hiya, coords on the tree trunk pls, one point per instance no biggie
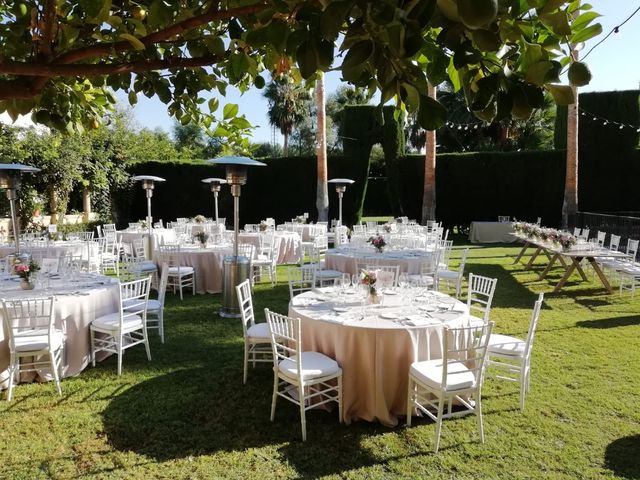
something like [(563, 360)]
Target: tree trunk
[(570, 202), (86, 204), (429, 193), (285, 147), (53, 205), (322, 191)]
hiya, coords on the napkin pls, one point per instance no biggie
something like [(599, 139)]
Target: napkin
[(418, 321), (333, 317)]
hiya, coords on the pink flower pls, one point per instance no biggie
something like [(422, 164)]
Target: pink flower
[(21, 267)]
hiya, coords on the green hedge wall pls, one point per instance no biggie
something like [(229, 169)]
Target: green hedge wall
[(484, 185), (286, 187)]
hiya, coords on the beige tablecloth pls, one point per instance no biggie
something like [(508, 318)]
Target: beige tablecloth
[(73, 313), (288, 245), (54, 249), (375, 353), (207, 263), (345, 260), (491, 232)]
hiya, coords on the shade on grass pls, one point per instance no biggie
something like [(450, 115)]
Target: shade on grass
[(186, 414)]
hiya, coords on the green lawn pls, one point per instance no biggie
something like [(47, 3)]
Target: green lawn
[(186, 414)]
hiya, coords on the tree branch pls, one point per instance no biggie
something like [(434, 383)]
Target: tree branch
[(103, 50), (55, 70), (48, 30)]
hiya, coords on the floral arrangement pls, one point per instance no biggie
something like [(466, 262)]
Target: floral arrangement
[(378, 242), (263, 226), (300, 219), (25, 270), (143, 225), (201, 237), (566, 240), (387, 227), (369, 279), (199, 219)]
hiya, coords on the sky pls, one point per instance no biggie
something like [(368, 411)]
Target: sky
[(615, 65)]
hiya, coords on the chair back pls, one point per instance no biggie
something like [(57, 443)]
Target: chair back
[(138, 248), (246, 250), (585, 234), (134, 296), (469, 346), (576, 231), (445, 247), (614, 242), (480, 295), (245, 302), (50, 265), (301, 279), (632, 249), (463, 261), (28, 317), (386, 275), (164, 280), (533, 324), (285, 339), (601, 238)]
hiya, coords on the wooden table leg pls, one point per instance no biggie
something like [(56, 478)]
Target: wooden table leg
[(533, 257), (551, 263), (524, 249), (600, 273), (579, 269), (564, 264), (566, 275)]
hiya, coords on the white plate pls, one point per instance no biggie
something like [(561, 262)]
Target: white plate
[(389, 316), (340, 309), (428, 308), (389, 292)]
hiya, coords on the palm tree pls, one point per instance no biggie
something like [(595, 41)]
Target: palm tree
[(322, 192), (286, 106), (429, 193)]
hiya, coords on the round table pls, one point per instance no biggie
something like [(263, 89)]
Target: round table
[(287, 244), (344, 259), (77, 304), (375, 352), (206, 262), (54, 249)]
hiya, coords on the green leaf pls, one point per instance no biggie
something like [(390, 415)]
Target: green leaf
[(213, 104), (133, 98), (307, 59), (230, 110), (486, 41), (558, 22), (562, 94), (431, 114), (454, 76), (159, 14), (358, 54), (552, 5), (579, 74), (537, 72), (587, 33), (333, 18), (135, 42), (583, 20), (410, 97)]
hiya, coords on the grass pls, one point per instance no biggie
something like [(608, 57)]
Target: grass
[(186, 414)]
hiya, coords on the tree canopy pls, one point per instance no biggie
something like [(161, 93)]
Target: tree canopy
[(62, 60)]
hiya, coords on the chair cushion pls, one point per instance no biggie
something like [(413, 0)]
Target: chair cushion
[(314, 365), (147, 265), (259, 330), (506, 345), (112, 322), (183, 270), (152, 304), (429, 373), (448, 274), (328, 274), (32, 343), (475, 321)]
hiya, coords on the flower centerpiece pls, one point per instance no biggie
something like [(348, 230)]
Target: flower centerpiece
[(301, 219), (199, 219), (369, 279), (24, 271), (566, 241), (263, 226), (143, 225), (202, 237), (387, 227), (378, 242)]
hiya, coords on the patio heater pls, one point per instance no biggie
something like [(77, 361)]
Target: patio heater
[(215, 184), (10, 180), (341, 187), (236, 268), (148, 185)]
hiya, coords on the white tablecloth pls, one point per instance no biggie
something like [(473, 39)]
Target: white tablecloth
[(288, 245), (77, 304), (375, 353), (344, 259), (54, 249), (207, 263), (491, 232)]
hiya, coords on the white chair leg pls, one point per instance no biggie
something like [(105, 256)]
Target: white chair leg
[(12, 375), (478, 409), (93, 348), (274, 397), (246, 364), (340, 400), (120, 353), (439, 423), (303, 418), (146, 343), (161, 324), (410, 393), (54, 371)]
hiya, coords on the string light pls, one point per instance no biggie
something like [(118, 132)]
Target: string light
[(614, 30), (606, 121)]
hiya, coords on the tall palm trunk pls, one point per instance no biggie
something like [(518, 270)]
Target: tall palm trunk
[(570, 202), (429, 192), (285, 147), (322, 192)]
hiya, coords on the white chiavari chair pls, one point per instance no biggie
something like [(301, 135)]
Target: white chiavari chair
[(454, 277), (480, 297), (301, 279), (179, 276)]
